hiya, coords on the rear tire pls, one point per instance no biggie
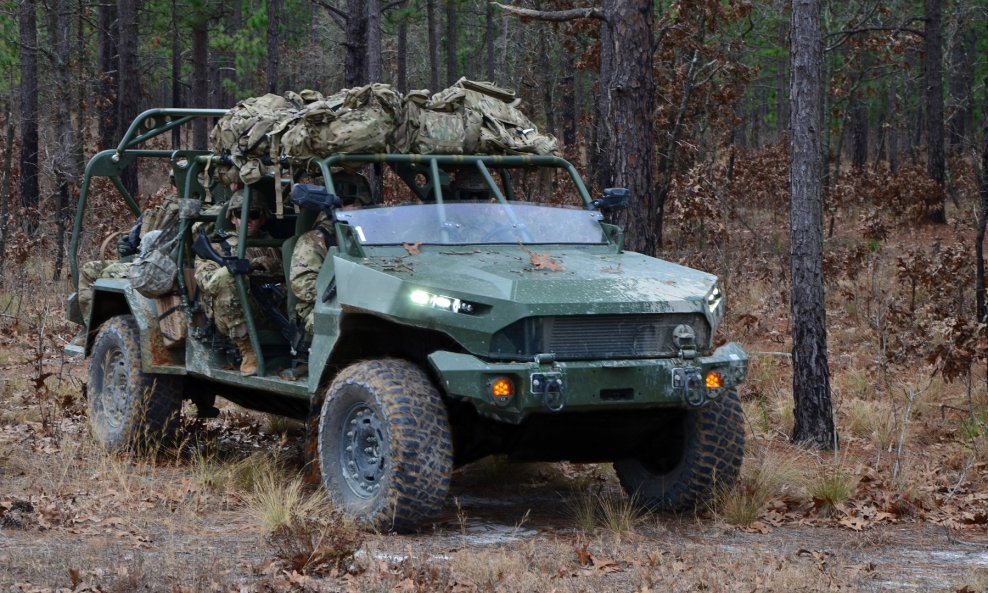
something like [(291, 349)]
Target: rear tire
[(706, 461), (385, 449), (128, 408)]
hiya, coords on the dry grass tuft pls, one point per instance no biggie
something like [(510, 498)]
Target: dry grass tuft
[(249, 473), (304, 530), (762, 479), (830, 488), (873, 420), (616, 513), (277, 502), (321, 544)]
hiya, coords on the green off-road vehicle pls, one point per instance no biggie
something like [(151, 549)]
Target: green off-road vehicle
[(451, 323)]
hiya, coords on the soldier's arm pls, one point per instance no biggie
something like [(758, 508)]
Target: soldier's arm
[(306, 261)]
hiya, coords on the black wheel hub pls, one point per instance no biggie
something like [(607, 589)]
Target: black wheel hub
[(361, 450)]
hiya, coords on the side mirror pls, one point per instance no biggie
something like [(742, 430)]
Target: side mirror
[(314, 197), (614, 199)]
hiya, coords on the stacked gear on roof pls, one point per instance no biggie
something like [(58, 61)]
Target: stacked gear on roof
[(469, 117)]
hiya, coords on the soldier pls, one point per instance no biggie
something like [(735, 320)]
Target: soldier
[(312, 247), (219, 290), (127, 246)]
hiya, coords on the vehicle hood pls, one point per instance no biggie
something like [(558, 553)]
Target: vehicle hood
[(543, 280)]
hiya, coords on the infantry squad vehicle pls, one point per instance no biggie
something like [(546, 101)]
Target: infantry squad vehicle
[(450, 324)]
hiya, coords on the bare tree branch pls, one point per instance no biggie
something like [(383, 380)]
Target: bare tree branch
[(556, 16), (844, 35), (392, 4), (339, 17)]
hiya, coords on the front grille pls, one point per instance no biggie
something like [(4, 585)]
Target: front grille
[(587, 337)]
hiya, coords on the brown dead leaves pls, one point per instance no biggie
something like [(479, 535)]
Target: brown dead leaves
[(544, 261), (589, 565)]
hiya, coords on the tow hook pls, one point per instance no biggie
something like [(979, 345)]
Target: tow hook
[(691, 387), (549, 386)]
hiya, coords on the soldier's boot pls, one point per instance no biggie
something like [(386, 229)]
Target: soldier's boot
[(248, 362)]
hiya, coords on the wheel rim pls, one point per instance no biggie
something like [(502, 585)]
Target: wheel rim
[(361, 450), (113, 394)]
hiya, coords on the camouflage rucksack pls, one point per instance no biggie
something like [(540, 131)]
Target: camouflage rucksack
[(244, 129), (160, 217), (439, 126), (502, 127), (359, 120), (153, 272)]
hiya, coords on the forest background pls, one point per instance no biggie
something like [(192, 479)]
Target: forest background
[(686, 103)]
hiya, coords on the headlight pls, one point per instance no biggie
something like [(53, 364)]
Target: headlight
[(715, 298), (438, 301)]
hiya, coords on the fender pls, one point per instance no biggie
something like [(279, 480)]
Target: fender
[(112, 297)]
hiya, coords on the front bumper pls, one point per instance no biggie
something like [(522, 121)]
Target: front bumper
[(541, 386)]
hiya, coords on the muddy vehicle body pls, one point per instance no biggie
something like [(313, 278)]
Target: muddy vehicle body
[(446, 329)]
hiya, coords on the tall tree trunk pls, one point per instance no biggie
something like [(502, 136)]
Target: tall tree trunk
[(355, 61), (452, 31), (109, 75), (814, 423), (29, 113), (859, 132), (781, 98), (569, 98), (627, 95), (403, 55), (893, 128), (373, 41), (546, 82), (490, 37), (130, 80), (961, 84), (64, 161), (933, 85), (979, 244), (8, 158), (200, 78), (176, 73), (274, 43), (433, 24)]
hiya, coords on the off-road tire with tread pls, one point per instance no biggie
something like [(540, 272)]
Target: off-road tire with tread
[(128, 408), (711, 453), (385, 447)]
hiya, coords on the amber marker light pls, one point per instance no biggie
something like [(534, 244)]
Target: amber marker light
[(714, 380), (502, 390)]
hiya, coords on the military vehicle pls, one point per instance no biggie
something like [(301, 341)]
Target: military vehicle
[(451, 324)]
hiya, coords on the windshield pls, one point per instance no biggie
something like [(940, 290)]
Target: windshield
[(462, 223)]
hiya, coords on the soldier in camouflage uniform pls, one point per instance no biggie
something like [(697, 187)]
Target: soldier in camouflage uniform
[(307, 258), (219, 290), (310, 252), (127, 246)]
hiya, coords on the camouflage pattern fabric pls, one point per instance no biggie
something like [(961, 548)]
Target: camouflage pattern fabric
[(307, 259), (467, 117), (156, 219), (243, 130), (359, 120), (220, 297), (91, 272)]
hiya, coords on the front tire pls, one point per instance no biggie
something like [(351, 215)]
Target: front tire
[(705, 459), (385, 449), (128, 408)]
